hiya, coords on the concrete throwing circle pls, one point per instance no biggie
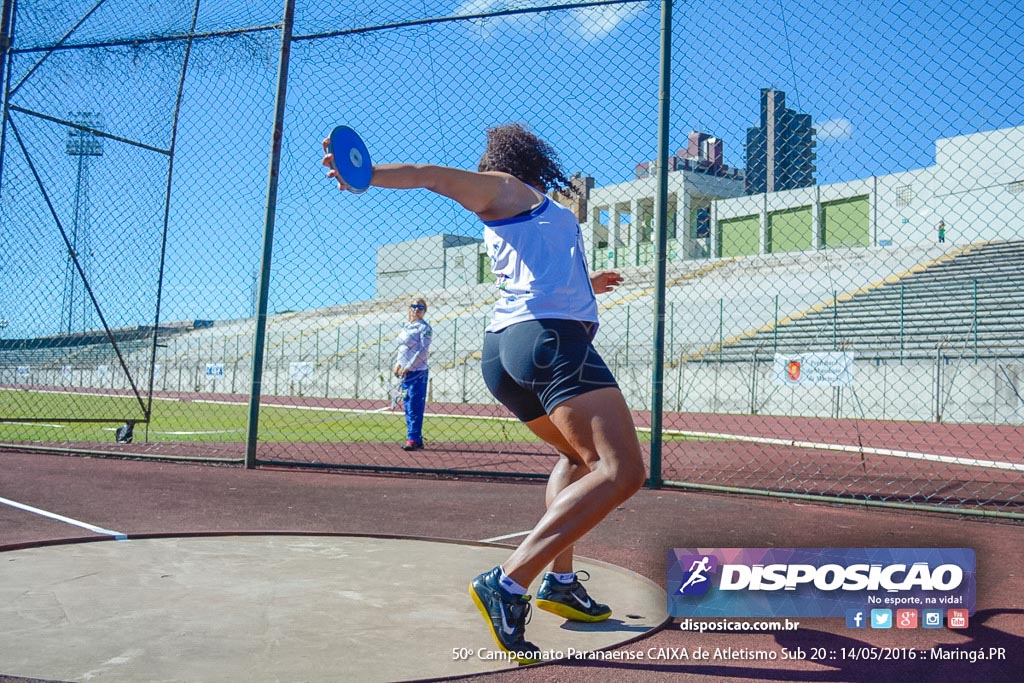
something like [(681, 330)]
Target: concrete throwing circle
[(278, 607)]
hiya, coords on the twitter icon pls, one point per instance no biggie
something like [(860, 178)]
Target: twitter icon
[(881, 618)]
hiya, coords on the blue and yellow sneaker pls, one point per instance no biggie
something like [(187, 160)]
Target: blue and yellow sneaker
[(570, 600), (506, 615)]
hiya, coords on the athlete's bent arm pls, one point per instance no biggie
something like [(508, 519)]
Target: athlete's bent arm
[(605, 281)]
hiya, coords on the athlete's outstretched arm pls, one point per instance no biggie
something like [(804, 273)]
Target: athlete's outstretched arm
[(490, 195)]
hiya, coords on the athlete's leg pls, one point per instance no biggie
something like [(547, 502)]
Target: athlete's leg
[(599, 428), (504, 609), (569, 468), (568, 599)]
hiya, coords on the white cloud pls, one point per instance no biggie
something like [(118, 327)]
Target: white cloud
[(586, 23), (594, 23), (478, 7), (485, 29), (834, 130)]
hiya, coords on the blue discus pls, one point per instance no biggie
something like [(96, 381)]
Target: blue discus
[(351, 158)]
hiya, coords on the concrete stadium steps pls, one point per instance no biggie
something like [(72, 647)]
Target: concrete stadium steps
[(104, 353), (741, 295), (751, 304), (705, 299), (51, 355), (973, 302), (34, 357), (335, 335)]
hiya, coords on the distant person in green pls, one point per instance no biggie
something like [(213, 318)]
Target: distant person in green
[(942, 232)]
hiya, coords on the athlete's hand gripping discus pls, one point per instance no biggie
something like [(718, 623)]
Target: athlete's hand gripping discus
[(351, 159)]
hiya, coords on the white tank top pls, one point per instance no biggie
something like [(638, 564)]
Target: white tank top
[(541, 266)]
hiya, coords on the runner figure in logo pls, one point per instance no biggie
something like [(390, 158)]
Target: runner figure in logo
[(696, 577)]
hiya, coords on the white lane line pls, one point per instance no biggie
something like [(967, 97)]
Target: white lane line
[(503, 538), (363, 411), (31, 424), (60, 518), (219, 431), (61, 391), (948, 459)]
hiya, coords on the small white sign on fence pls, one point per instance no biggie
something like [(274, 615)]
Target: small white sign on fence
[(814, 369), (24, 371), (300, 372), (214, 371)]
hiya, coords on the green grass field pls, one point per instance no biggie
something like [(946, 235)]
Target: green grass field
[(219, 422), (209, 422)]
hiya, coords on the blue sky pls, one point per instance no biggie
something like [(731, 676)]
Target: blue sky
[(881, 80)]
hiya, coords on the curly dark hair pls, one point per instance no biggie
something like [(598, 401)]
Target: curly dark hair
[(514, 150)]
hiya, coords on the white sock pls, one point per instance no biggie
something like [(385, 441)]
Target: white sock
[(564, 578), (510, 585)]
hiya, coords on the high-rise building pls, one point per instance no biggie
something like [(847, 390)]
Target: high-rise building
[(703, 150), (703, 154), (780, 152)]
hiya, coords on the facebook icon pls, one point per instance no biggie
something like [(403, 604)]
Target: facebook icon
[(855, 618)]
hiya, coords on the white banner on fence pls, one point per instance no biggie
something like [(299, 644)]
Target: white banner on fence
[(214, 371), (24, 371), (814, 369), (299, 372)]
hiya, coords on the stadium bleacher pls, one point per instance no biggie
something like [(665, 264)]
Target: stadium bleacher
[(971, 303), (890, 302)]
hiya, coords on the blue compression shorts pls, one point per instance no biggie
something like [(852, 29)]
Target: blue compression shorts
[(533, 366)]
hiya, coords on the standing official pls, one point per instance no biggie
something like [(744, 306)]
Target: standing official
[(411, 368)]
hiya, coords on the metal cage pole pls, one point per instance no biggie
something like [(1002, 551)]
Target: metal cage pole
[(252, 432), (661, 229), (7, 11), (167, 216)]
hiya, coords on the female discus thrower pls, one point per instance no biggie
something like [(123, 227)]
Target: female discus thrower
[(538, 361)]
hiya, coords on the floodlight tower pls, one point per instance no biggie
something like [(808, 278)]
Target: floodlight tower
[(82, 144)]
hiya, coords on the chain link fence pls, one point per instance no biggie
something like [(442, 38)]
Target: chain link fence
[(842, 274)]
